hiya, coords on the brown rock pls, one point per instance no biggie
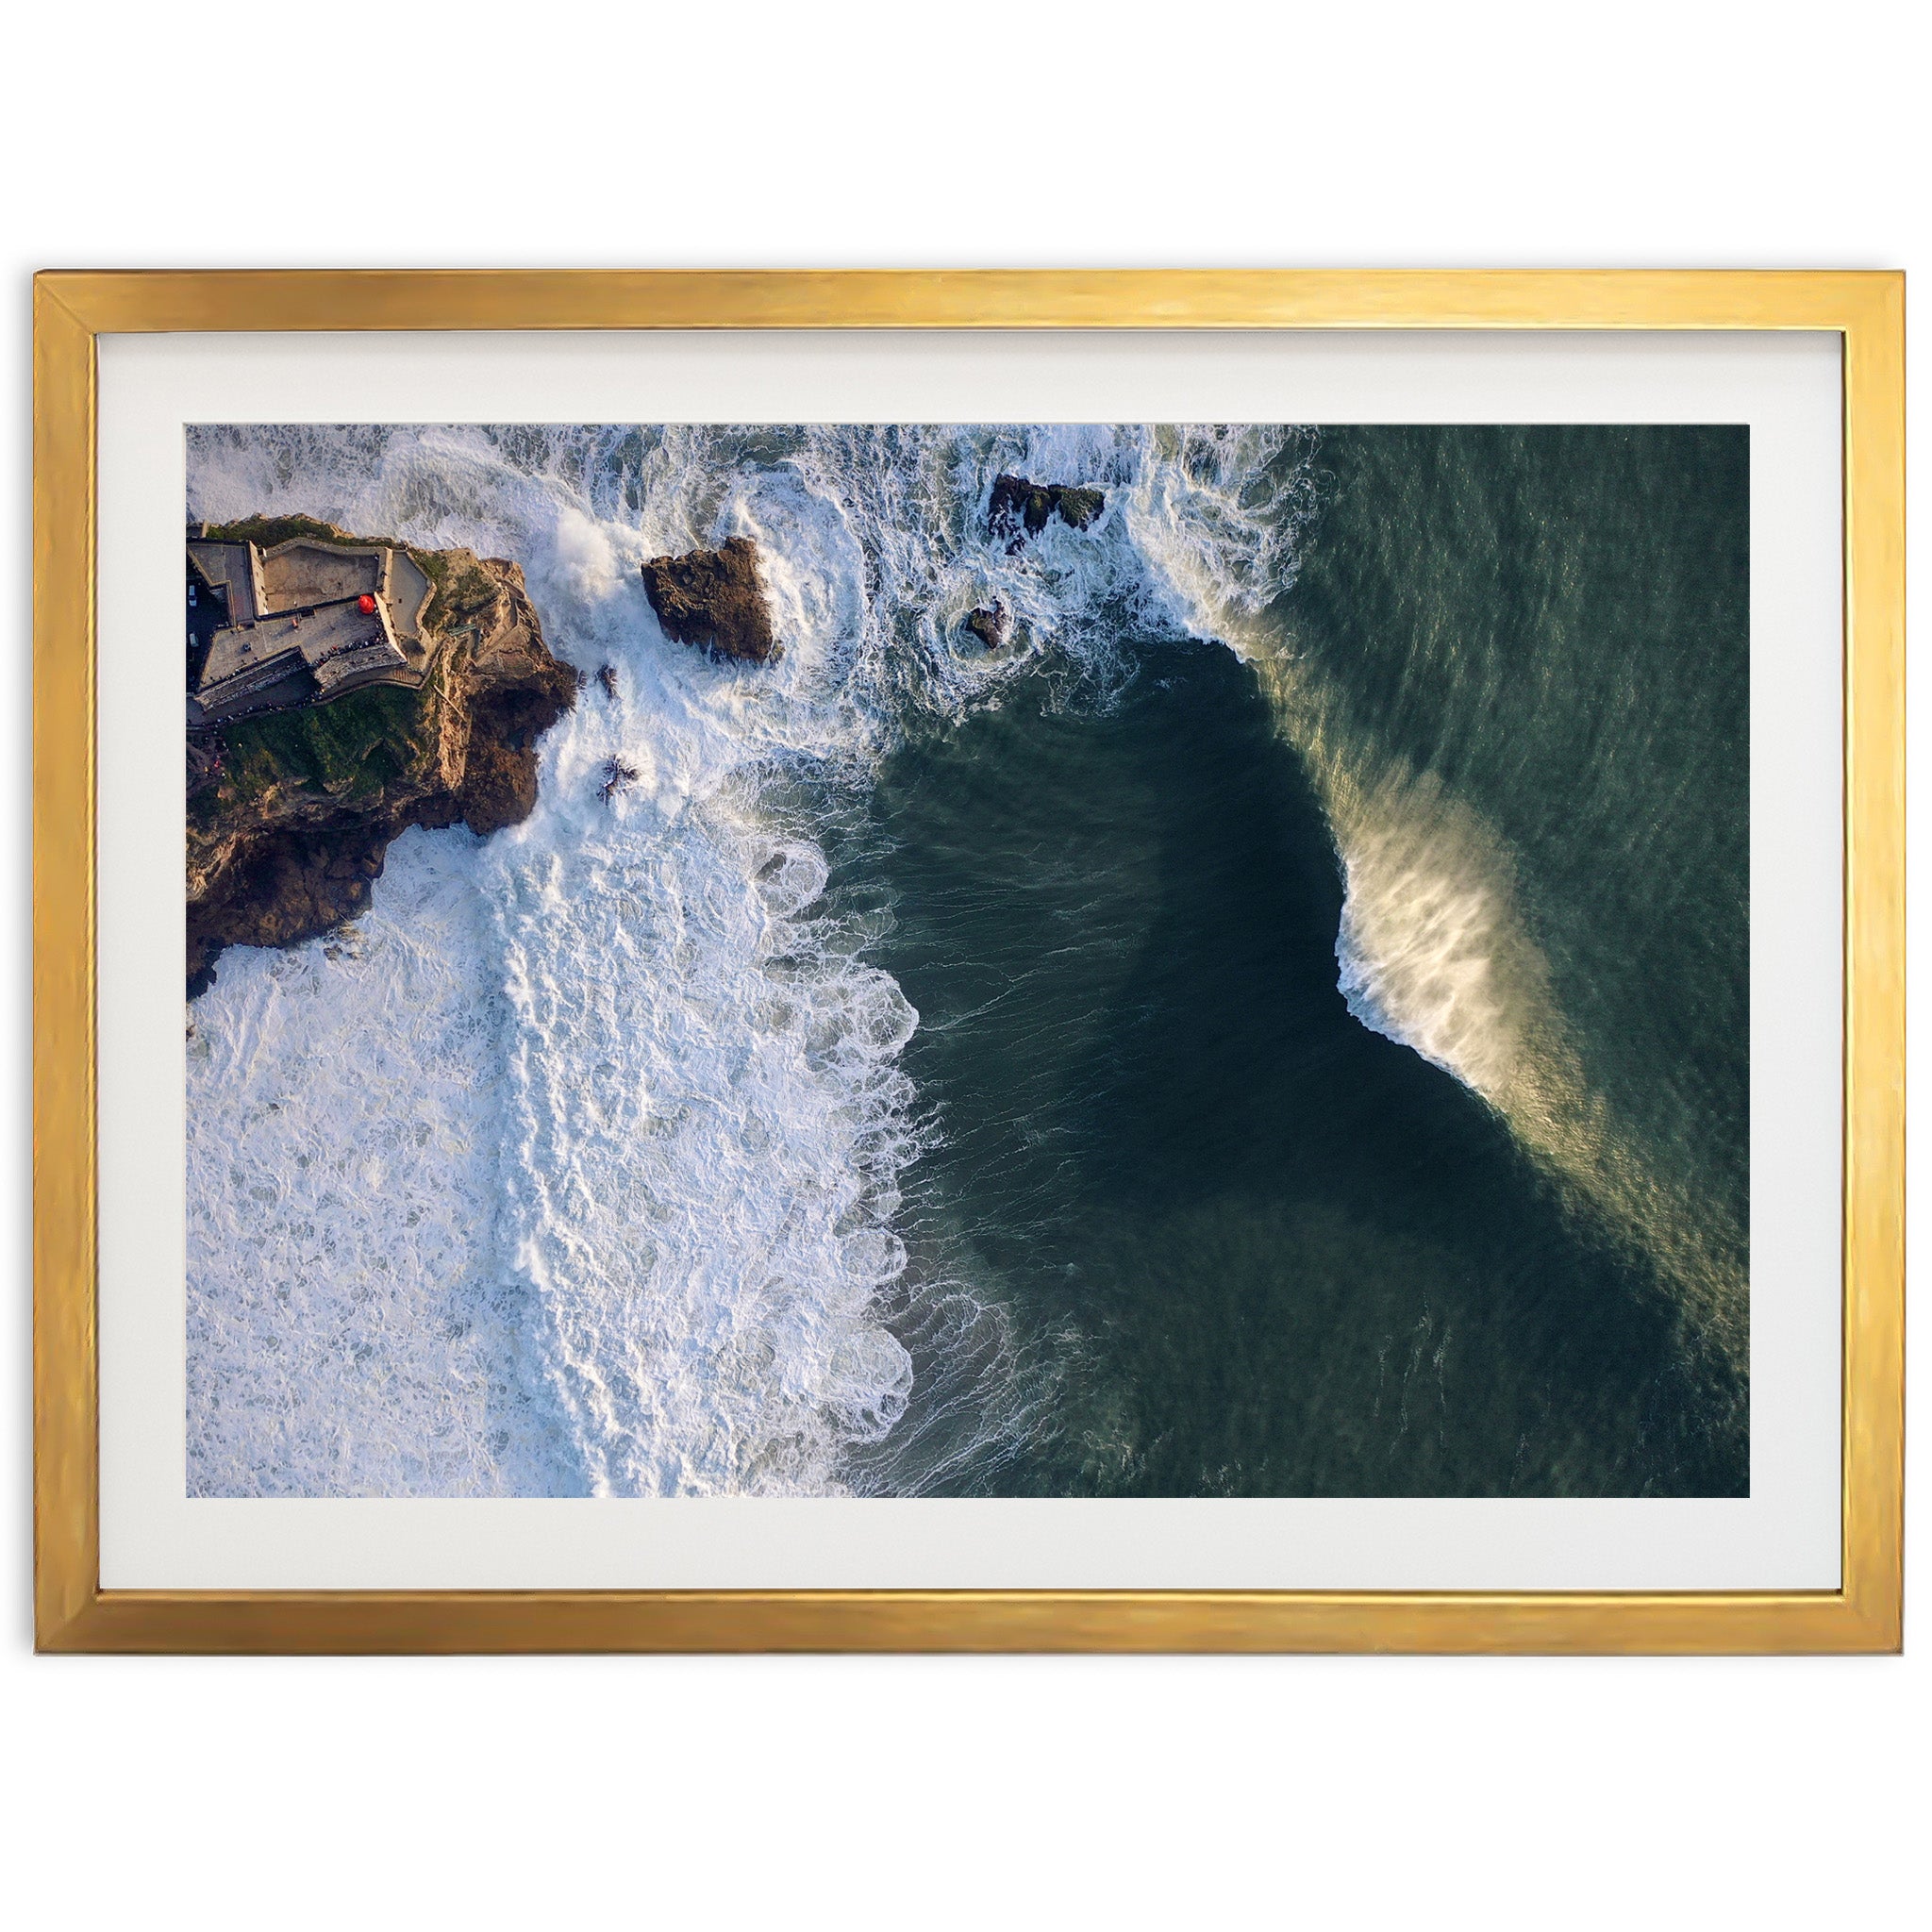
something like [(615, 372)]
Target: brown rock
[(283, 843), (991, 624), (714, 599), (282, 887)]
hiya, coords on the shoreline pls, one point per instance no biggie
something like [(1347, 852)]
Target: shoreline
[(290, 812)]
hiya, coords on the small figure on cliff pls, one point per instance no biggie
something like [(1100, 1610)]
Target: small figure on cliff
[(206, 760)]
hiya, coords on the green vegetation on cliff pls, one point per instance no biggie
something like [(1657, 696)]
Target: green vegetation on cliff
[(289, 821), (361, 749), (354, 749), (266, 532)]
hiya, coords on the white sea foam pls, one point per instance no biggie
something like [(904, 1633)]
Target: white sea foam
[(348, 1328), (574, 1167), (1431, 951)]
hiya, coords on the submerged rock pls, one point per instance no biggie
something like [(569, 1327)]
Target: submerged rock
[(1020, 508), (991, 624), (290, 815), (607, 676), (618, 776), (714, 599)]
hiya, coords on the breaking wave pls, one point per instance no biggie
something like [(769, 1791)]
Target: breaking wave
[(574, 1167), (1434, 950)]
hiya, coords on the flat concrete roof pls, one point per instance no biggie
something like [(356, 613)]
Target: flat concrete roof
[(296, 631), (310, 638), (233, 569), (409, 591)]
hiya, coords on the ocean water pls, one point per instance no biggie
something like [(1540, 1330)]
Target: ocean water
[(1277, 1027)]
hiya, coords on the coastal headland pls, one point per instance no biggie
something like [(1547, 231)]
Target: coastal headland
[(289, 813)]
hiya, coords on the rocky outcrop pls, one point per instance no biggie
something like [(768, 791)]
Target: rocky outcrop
[(286, 839), (714, 599), (991, 624), (1018, 507), (205, 759), (618, 776)]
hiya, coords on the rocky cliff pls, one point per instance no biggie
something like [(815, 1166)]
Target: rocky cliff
[(714, 599), (288, 816)]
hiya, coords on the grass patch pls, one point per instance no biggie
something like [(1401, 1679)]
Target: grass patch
[(266, 532), (353, 748), (461, 591)]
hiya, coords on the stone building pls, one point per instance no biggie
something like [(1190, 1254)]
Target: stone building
[(299, 623)]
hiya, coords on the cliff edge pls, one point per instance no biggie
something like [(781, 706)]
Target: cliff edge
[(290, 815)]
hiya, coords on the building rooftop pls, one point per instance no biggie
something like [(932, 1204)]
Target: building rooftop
[(299, 623)]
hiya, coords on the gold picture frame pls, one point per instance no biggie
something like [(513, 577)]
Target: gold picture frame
[(74, 1613)]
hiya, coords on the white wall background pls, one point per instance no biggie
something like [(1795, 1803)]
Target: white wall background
[(1357, 1792)]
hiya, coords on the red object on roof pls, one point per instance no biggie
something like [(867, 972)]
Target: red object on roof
[(366, 605)]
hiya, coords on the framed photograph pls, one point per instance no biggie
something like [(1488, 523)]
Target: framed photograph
[(969, 961)]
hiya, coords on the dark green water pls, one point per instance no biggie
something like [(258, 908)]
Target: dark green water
[(1556, 622), (1241, 1243)]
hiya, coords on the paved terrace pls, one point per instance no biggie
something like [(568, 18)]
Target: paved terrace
[(232, 569), (305, 572), (283, 658), (297, 633)]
